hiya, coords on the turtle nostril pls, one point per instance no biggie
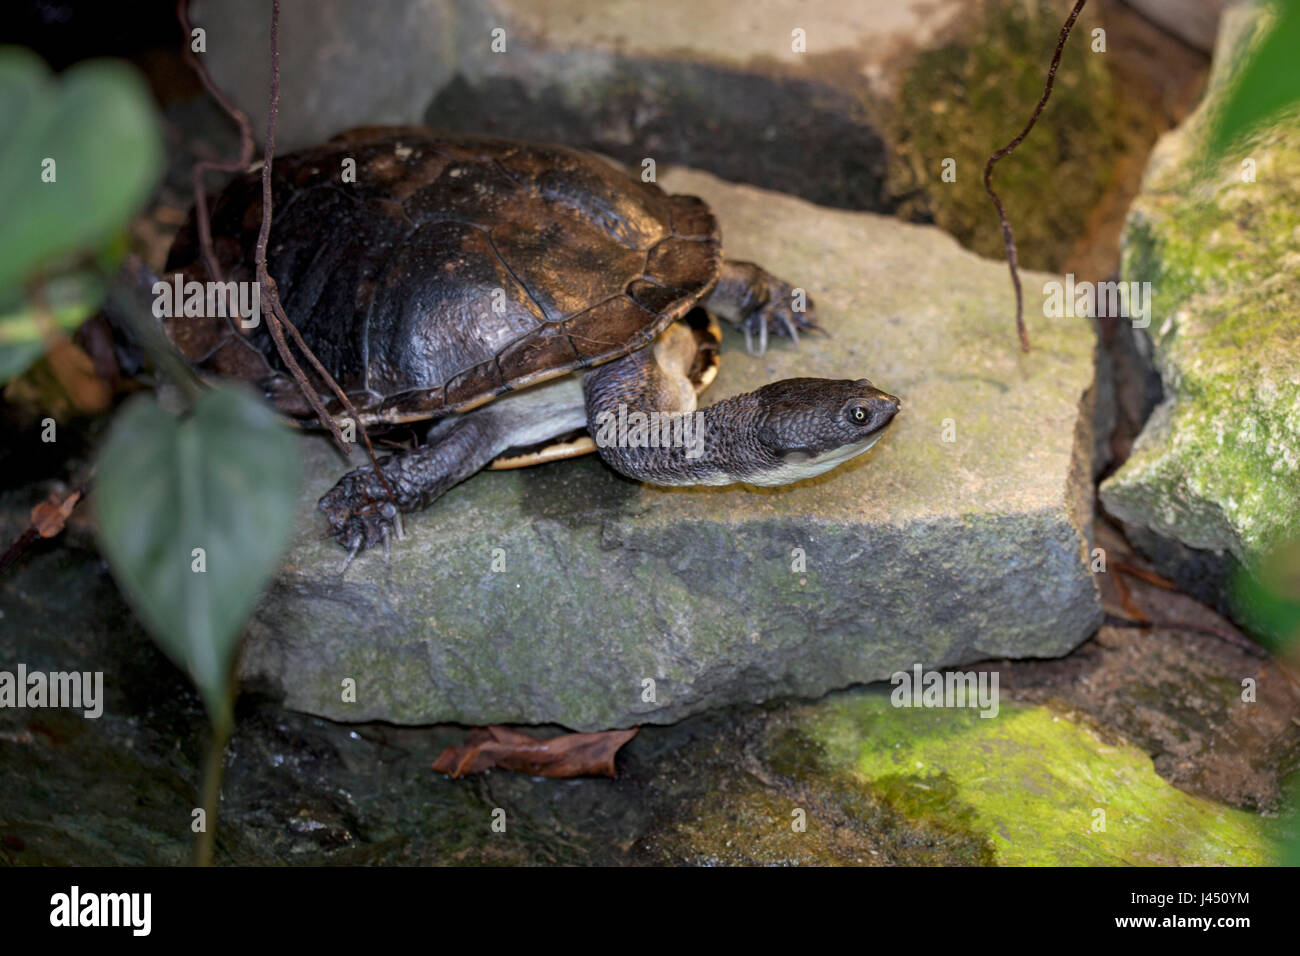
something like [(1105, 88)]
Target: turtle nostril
[(885, 408)]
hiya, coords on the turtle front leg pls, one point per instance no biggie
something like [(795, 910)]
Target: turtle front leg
[(360, 511), (759, 303)]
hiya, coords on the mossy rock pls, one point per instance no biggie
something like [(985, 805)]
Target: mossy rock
[(1218, 465), (968, 97), (1029, 785)]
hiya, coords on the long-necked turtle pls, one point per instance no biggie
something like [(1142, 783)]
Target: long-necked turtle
[(454, 271)]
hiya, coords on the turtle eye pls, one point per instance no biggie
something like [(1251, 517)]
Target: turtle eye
[(858, 415)]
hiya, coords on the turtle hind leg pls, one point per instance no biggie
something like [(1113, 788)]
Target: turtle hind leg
[(360, 511), (760, 304)]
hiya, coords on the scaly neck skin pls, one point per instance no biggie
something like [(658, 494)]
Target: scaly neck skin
[(719, 447), (716, 446), (784, 432)]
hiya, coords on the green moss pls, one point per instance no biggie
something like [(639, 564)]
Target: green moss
[(882, 785), (1030, 783), (747, 820), (969, 97)]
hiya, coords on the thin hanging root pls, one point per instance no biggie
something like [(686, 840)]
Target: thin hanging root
[(204, 165), (1013, 261), (277, 319), (278, 309), (271, 292)]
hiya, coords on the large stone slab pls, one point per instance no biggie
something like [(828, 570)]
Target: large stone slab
[(1217, 467), (922, 550)]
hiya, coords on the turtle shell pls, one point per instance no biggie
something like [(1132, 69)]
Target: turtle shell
[(453, 269)]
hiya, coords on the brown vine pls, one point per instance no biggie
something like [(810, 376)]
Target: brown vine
[(1013, 259), (277, 319)]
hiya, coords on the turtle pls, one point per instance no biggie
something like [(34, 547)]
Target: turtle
[(531, 302)]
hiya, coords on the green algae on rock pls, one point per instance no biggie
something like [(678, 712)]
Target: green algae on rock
[(1218, 465), (1040, 788)]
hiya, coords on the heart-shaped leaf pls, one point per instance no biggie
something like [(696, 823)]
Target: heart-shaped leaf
[(78, 158), (193, 517)]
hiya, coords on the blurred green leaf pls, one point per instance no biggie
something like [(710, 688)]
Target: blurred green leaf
[(1291, 847), (71, 299), (1267, 83), (1267, 598), (97, 123), (224, 480)]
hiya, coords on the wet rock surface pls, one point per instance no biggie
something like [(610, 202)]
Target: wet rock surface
[(962, 535), (719, 788)]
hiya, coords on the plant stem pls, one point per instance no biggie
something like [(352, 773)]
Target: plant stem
[(213, 770), (124, 304)]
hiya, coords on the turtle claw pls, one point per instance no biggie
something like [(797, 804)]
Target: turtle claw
[(778, 316), (360, 514), (749, 334), (352, 553)]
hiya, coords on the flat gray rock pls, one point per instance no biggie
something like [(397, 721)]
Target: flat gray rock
[(621, 604), (785, 96), (410, 49)]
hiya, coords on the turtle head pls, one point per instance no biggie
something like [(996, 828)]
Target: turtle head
[(806, 426)]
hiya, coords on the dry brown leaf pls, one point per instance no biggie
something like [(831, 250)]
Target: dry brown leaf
[(1135, 613), (49, 517), (75, 371), (570, 755)]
